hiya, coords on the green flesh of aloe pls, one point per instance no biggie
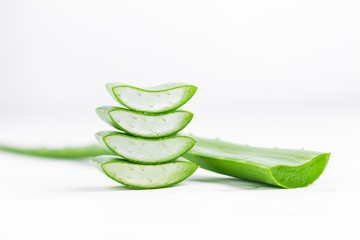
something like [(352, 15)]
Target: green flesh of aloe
[(148, 125), (157, 99), (144, 176), (148, 143), (145, 150), (280, 167)]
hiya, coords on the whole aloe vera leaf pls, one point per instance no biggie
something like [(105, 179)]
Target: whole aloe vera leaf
[(145, 150), (144, 176), (148, 125), (157, 99), (280, 167), (65, 153)]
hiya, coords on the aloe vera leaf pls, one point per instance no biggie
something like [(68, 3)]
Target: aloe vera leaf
[(157, 99), (289, 168), (144, 176), (145, 150), (280, 167), (65, 153), (148, 125)]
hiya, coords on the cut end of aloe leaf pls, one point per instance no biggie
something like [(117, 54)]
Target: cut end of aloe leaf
[(145, 176), (145, 151), (149, 125), (155, 99), (300, 176)]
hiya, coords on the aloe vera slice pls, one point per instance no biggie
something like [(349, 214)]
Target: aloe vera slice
[(145, 150), (149, 125), (280, 167), (161, 98), (144, 176)]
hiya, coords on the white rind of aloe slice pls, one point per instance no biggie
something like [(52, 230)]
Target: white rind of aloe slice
[(144, 176), (145, 150), (148, 125), (161, 98)]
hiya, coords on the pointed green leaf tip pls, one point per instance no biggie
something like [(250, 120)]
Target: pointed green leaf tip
[(280, 167), (157, 99), (62, 153), (140, 176)]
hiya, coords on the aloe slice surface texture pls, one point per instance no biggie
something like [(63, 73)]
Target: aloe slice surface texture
[(145, 150), (156, 99), (144, 176), (280, 167), (148, 125)]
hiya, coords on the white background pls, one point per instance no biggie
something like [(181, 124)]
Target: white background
[(270, 73)]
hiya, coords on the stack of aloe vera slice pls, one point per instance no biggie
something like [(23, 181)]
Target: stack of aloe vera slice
[(148, 147)]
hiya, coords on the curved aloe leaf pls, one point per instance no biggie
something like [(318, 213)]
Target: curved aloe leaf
[(144, 176), (149, 125), (145, 151), (162, 98), (280, 167)]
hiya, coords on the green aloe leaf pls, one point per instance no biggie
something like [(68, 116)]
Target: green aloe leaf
[(161, 98), (145, 150), (149, 125), (144, 176), (280, 167)]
